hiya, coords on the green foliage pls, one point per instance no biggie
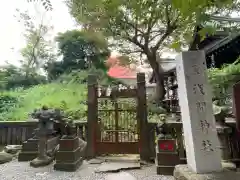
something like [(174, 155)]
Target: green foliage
[(136, 27), (67, 97), (68, 92), (200, 7), (149, 25), (7, 102), (222, 80), (12, 77), (79, 52)]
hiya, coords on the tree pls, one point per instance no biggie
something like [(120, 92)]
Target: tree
[(12, 76), (146, 27), (37, 50), (79, 52), (202, 6)]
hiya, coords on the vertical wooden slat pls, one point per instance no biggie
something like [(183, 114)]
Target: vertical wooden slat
[(14, 136), (4, 136), (24, 131), (1, 135), (80, 131), (9, 135), (116, 121), (236, 103), (15, 132), (19, 132)]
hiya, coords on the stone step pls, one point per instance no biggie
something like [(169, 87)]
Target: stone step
[(120, 158)]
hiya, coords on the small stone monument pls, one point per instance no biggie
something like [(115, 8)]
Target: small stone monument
[(71, 151), (45, 129), (195, 99)]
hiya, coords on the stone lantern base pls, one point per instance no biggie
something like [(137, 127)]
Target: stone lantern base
[(182, 172), (70, 154), (30, 148), (39, 162)]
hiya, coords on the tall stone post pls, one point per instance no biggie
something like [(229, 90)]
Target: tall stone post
[(144, 128), (92, 116), (195, 99)]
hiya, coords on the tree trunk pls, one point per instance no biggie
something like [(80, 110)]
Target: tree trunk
[(160, 89), (158, 74)]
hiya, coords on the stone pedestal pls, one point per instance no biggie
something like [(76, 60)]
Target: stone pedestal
[(166, 159), (70, 154), (30, 148), (182, 172)]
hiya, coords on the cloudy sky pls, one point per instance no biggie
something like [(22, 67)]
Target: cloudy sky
[(11, 38)]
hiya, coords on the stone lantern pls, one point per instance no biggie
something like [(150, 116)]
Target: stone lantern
[(45, 129)]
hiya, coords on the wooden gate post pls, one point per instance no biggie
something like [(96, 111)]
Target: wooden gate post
[(236, 103), (144, 144), (92, 116)]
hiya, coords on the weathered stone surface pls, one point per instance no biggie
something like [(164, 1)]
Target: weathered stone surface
[(39, 162), (117, 166), (27, 155), (12, 149), (131, 158), (83, 145), (96, 161), (70, 154), (5, 157), (70, 166), (30, 148), (30, 145), (120, 176), (68, 144), (182, 172), (229, 166), (199, 127)]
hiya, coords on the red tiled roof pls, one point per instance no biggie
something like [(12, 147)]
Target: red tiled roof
[(119, 71)]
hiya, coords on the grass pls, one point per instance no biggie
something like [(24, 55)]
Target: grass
[(68, 97)]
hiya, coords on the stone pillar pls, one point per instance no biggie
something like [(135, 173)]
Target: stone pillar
[(144, 127), (195, 99), (42, 151), (92, 116)]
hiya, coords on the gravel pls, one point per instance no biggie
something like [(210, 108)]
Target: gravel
[(15, 170)]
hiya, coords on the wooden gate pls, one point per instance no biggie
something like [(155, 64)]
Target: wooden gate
[(117, 130), (117, 121)]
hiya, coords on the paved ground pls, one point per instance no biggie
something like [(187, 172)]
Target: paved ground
[(21, 170)]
